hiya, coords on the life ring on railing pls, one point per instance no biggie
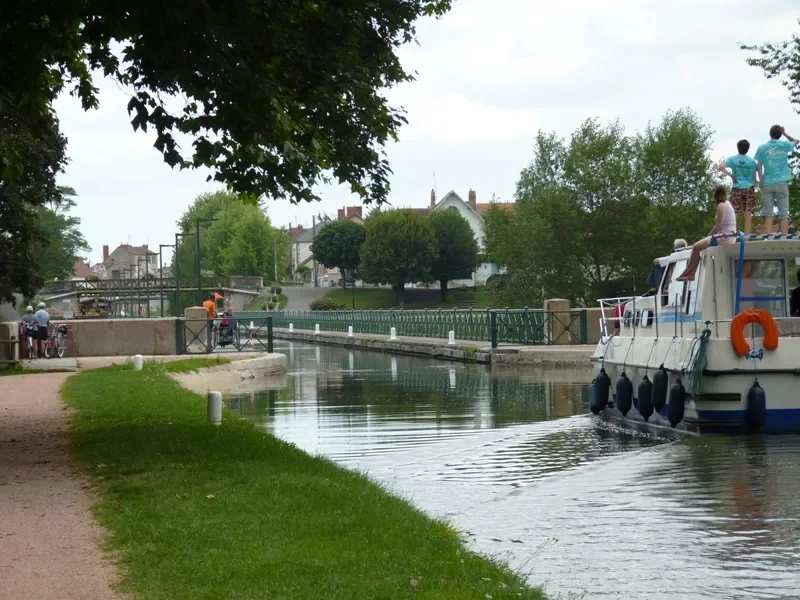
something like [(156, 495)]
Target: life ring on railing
[(763, 318)]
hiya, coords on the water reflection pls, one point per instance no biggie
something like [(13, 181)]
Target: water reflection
[(576, 503)]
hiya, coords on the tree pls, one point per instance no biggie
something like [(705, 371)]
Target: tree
[(338, 245), (274, 94), (458, 250), (31, 154), (400, 247), (781, 59), (61, 242), (593, 212), (239, 241)]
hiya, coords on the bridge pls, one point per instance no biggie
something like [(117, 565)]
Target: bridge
[(145, 287)]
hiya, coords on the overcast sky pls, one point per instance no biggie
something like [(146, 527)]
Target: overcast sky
[(489, 75)]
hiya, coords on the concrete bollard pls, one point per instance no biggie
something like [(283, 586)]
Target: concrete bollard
[(291, 326), (214, 408), (138, 362), (393, 334), (252, 326), (451, 338), (349, 331), (316, 329)]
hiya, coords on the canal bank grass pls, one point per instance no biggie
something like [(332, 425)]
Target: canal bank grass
[(206, 512)]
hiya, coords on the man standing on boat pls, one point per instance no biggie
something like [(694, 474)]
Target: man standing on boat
[(774, 175), (742, 171)]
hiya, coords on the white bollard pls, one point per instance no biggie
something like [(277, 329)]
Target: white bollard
[(451, 339), (349, 331), (291, 326), (214, 408), (316, 329), (393, 334), (138, 362), (252, 326)]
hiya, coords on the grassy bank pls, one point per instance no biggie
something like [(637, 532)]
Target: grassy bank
[(198, 511), (260, 302)]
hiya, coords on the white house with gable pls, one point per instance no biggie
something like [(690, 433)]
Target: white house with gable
[(473, 212)]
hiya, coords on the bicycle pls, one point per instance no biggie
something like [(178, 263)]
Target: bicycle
[(30, 336), (56, 342)]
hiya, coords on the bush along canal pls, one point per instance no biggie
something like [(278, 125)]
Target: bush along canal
[(202, 511)]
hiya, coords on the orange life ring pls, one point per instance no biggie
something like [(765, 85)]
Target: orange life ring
[(763, 318)]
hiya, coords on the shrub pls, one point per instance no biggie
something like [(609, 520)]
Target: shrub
[(326, 304), (278, 290), (272, 291), (270, 306)]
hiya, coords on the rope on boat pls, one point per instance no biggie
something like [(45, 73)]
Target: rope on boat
[(699, 361)]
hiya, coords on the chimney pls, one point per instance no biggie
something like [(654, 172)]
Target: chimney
[(473, 200), (433, 198), (145, 248), (105, 253)]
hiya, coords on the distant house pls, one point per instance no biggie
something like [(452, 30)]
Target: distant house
[(81, 270), (301, 255), (474, 213), (350, 213), (129, 261)]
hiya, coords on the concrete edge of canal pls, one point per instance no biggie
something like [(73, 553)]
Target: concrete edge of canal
[(474, 352), (228, 377)]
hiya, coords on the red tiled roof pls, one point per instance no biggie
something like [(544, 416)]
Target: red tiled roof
[(81, 269), (482, 207), (349, 211)]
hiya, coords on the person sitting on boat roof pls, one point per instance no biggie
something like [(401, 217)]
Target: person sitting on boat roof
[(724, 227), (659, 264), (742, 171)]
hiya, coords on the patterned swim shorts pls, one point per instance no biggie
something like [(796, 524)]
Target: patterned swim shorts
[(743, 201)]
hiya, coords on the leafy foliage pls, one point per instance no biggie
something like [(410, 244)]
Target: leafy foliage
[(325, 304), (458, 250), (273, 94), (32, 152), (338, 245), (592, 212), (400, 247), (240, 241), (61, 242), (781, 59)]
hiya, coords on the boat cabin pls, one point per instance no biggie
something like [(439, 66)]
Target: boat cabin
[(755, 271)]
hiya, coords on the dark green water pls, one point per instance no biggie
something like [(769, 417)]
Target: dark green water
[(584, 507)]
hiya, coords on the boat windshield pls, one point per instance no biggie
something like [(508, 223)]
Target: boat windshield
[(764, 285)]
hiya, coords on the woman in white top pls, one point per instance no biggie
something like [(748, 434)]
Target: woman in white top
[(725, 223)]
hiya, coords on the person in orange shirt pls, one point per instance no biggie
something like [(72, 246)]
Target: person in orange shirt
[(211, 306)]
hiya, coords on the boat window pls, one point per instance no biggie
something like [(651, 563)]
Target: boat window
[(647, 318), (794, 286), (676, 288), (665, 284), (690, 303), (763, 285)]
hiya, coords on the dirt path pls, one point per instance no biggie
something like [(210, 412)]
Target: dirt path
[(49, 540)]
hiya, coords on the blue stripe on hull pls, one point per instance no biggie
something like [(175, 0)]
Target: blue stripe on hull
[(783, 420)]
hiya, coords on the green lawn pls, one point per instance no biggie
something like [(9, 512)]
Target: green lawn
[(369, 298), (260, 303), (207, 512)]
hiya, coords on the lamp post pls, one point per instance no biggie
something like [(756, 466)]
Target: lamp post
[(122, 296), (178, 270), (161, 273), (197, 240), (139, 260)]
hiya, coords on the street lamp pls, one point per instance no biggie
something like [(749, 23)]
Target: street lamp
[(161, 273), (178, 270), (197, 240)]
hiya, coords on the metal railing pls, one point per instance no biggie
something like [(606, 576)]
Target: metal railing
[(208, 335), (509, 326)]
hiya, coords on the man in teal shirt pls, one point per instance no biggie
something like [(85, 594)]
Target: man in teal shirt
[(774, 174), (742, 171)]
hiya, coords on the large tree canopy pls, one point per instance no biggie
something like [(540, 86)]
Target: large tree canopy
[(338, 245), (240, 241), (592, 212), (400, 248), (61, 242), (458, 250), (273, 94), (780, 59)]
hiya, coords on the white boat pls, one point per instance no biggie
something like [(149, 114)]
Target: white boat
[(680, 338)]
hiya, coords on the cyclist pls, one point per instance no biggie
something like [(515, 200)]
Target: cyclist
[(30, 325), (43, 319)]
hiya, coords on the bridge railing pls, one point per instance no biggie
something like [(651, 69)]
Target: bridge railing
[(507, 326)]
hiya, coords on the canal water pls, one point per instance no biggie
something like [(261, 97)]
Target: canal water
[(581, 506)]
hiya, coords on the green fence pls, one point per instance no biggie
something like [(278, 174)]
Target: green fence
[(519, 327)]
